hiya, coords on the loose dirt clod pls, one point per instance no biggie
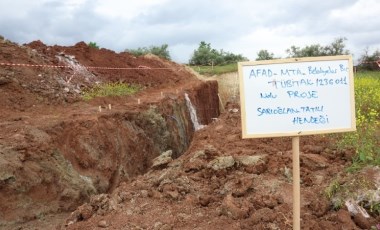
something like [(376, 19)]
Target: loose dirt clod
[(103, 224)]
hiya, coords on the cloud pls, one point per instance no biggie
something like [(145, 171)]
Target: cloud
[(359, 20), (62, 22), (243, 27), (363, 15), (125, 10)]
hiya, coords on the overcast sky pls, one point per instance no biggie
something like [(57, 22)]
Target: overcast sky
[(238, 26)]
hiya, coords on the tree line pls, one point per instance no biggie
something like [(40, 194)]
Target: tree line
[(337, 47), (367, 61), (205, 55)]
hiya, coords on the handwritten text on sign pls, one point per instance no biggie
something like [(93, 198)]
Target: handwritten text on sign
[(297, 97)]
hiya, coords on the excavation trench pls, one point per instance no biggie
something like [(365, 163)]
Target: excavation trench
[(62, 165)]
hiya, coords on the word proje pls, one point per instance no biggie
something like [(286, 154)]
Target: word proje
[(302, 94)]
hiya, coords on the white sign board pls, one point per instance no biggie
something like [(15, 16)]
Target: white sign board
[(292, 97)]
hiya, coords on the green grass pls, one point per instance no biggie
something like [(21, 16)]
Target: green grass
[(366, 140), (110, 89), (215, 70)]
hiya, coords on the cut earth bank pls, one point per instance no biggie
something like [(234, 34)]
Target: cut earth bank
[(57, 150), (220, 182)]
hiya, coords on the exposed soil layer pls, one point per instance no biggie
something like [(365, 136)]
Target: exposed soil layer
[(57, 150), (66, 165)]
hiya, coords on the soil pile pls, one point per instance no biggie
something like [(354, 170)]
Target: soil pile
[(225, 182), (24, 86)]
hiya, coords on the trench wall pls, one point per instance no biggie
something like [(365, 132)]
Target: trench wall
[(58, 168)]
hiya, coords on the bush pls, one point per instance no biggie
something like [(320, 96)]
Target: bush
[(160, 51), (93, 45)]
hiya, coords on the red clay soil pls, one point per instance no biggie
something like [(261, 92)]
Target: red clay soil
[(225, 182), (26, 87), (44, 123), (221, 182)]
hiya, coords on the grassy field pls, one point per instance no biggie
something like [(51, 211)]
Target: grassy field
[(228, 84), (215, 70)]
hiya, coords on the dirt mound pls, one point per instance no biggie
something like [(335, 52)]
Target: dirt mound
[(56, 75), (157, 71)]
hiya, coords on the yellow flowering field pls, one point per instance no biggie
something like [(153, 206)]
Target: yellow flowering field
[(366, 140)]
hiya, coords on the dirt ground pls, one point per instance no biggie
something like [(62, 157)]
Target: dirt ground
[(220, 181)]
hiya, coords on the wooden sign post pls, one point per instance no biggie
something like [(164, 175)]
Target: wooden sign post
[(296, 183), (295, 97)]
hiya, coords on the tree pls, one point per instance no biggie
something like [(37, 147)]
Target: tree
[(161, 51), (294, 51), (337, 47), (232, 58), (308, 51), (369, 61), (205, 55), (264, 55)]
